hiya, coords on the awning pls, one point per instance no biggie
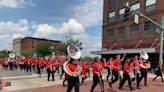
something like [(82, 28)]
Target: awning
[(127, 51)]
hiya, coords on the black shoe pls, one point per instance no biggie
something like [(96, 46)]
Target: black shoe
[(131, 89), (138, 88), (120, 88), (63, 84), (110, 85), (91, 91)]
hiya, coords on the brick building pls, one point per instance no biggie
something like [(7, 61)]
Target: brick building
[(120, 35), (29, 43)]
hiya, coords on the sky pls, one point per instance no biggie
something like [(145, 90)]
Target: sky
[(52, 19)]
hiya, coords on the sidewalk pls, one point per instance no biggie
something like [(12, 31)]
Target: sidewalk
[(56, 86), (35, 82)]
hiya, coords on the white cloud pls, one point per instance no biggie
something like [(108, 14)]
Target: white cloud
[(6, 41), (88, 13), (10, 27), (89, 43), (70, 27), (15, 3), (10, 30)]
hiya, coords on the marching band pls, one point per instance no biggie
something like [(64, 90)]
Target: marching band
[(128, 69)]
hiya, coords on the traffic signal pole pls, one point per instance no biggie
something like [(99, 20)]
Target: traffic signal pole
[(158, 25)]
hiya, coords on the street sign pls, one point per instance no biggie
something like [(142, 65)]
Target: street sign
[(136, 18), (162, 23), (158, 30)]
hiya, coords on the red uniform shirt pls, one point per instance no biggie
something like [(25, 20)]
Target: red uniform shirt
[(135, 64), (50, 65), (97, 67), (144, 64), (126, 68), (109, 64), (116, 64), (85, 67)]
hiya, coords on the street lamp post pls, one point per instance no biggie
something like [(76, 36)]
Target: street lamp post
[(158, 25)]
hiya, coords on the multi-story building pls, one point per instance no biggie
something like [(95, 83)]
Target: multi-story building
[(29, 43), (121, 35), (17, 44)]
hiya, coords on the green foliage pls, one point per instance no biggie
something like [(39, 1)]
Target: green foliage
[(27, 53), (3, 54), (44, 48), (67, 41), (87, 58)]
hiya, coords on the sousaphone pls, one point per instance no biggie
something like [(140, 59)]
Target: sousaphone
[(73, 53), (12, 55), (144, 56)]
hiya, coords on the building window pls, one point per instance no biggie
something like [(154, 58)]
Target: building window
[(149, 28), (122, 2), (135, 6), (111, 4), (110, 35), (150, 5), (121, 33), (111, 17), (134, 30), (121, 13)]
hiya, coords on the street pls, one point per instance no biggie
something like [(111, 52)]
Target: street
[(40, 84)]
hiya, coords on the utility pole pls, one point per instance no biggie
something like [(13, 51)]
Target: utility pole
[(158, 25), (161, 44)]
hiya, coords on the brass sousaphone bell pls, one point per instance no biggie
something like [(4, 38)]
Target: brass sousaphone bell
[(73, 53), (144, 56)]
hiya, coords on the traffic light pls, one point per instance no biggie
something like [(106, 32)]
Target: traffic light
[(147, 25), (126, 14)]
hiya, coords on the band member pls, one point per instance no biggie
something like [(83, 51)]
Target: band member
[(73, 81), (38, 67), (15, 63), (136, 69), (88, 71), (116, 68), (65, 79), (50, 70), (144, 71), (57, 66), (85, 68), (126, 76), (28, 66), (6, 63), (97, 76), (61, 64), (11, 60), (25, 64), (109, 67), (158, 72), (21, 63)]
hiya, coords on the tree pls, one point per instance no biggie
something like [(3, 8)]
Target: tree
[(87, 58), (27, 53), (44, 48), (3, 54), (67, 40)]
